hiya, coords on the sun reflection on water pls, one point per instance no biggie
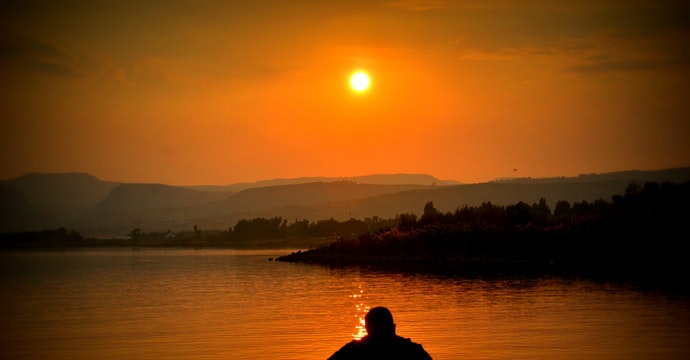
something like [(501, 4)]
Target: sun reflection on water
[(360, 311)]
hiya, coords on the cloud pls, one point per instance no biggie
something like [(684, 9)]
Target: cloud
[(30, 54), (27, 54), (612, 66), (423, 5), (630, 51), (618, 51)]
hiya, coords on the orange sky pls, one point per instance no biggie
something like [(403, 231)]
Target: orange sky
[(219, 92)]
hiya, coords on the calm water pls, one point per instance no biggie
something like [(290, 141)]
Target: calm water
[(223, 304)]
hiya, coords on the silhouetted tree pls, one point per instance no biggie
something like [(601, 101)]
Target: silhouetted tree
[(562, 208), (520, 213), (299, 228), (135, 234), (541, 211), (407, 221), (430, 214)]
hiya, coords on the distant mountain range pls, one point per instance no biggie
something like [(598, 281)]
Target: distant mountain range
[(379, 179), (104, 208)]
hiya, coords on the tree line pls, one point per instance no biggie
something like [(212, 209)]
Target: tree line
[(50, 238), (645, 228), (301, 233), (648, 221)]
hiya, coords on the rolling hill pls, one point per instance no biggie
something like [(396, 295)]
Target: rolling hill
[(96, 207), (56, 199)]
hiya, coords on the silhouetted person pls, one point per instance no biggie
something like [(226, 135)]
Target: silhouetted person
[(381, 341)]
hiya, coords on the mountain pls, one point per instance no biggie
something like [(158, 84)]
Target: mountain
[(95, 207), (447, 198), (307, 194), (128, 206), (589, 187), (450, 198), (17, 213), (59, 197), (376, 179), (134, 197), (343, 200), (675, 175), (39, 201), (164, 208)]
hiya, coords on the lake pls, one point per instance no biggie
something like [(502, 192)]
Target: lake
[(232, 304)]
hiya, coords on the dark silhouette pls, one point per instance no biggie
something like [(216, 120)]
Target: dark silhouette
[(381, 341), (639, 235)]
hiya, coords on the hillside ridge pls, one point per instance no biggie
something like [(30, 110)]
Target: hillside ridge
[(93, 206)]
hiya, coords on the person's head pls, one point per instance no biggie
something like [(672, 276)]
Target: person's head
[(379, 321)]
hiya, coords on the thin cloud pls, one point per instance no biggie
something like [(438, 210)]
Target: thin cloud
[(23, 53), (613, 66), (34, 55), (630, 51), (423, 5), (614, 51)]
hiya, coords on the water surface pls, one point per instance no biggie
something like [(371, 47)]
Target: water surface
[(225, 304)]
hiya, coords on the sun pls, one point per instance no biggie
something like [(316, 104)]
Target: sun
[(359, 81)]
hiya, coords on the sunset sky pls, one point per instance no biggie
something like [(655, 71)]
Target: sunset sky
[(219, 92)]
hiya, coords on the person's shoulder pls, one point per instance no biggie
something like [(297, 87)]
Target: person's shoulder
[(412, 348), (347, 351), (353, 344)]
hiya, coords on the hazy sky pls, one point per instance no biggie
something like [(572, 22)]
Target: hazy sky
[(218, 92)]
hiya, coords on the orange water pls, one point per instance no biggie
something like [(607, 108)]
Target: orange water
[(221, 304)]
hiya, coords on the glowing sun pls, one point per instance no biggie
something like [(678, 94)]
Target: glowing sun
[(359, 81)]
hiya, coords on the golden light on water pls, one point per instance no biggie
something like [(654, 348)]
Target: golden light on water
[(360, 311)]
